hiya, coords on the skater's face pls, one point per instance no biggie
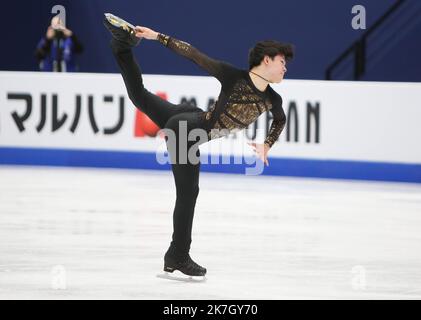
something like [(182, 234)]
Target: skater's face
[(276, 68)]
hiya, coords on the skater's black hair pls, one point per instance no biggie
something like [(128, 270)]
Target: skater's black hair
[(269, 48)]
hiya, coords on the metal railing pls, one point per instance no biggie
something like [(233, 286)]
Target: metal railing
[(358, 48)]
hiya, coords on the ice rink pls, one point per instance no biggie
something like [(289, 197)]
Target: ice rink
[(101, 234)]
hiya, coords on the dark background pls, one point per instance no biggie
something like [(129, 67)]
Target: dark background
[(321, 30)]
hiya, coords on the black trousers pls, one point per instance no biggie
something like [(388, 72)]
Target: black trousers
[(168, 116)]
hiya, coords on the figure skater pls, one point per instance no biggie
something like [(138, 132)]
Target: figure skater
[(244, 96)]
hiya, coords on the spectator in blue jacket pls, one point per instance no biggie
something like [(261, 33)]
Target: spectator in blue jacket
[(57, 49)]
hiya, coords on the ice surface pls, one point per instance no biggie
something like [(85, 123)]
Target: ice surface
[(101, 234)]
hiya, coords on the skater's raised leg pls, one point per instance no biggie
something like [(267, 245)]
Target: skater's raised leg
[(156, 108)]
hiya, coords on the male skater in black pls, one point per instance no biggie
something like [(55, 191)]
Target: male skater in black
[(244, 96)]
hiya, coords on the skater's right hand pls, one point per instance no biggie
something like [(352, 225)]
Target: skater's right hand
[(143, 32)]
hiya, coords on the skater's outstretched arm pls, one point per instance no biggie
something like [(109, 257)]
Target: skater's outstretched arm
[(218, 69)]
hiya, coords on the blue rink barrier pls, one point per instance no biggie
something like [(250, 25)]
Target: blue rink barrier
[(334, 169)]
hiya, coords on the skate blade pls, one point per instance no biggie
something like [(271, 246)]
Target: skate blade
[(178, 276), (118, 22)]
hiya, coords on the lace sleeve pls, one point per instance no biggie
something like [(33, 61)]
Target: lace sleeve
[(278, 123), (215, 68)]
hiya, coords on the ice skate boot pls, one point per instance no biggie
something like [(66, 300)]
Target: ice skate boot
[(184, 269), (121, 30)]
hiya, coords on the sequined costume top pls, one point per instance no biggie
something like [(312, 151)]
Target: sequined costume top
[(239, 103)]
